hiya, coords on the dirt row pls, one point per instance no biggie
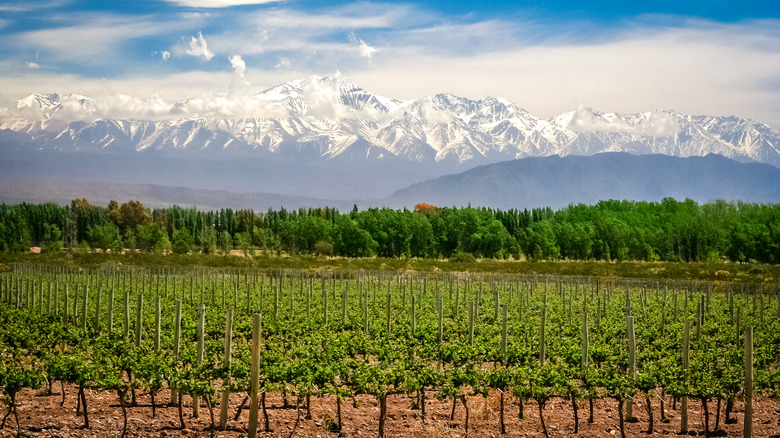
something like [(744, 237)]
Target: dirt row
[(41, 415)]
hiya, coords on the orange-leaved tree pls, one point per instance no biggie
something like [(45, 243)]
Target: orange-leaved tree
[(425, 209)]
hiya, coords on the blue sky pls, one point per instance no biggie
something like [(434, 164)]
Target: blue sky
[(703, 57)]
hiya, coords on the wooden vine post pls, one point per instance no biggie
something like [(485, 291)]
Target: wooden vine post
[(440, 312), (126, 334), (631, 363), (111, 310), (199, 357), (254, 376), (49, 299), (157, 323), (747, 430), (67, 302), (139, 319), (344, 306), (97, 309), (226, 362), (84, 302), (414, 315), (542, 335), (584, 340), (685, 359), (365, 312), (504, 353), (472, 306), (325, 306), (176, 345), (389, 308)]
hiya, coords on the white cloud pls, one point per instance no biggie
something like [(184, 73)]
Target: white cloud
[(176, 96), (650, 124), (219, 3), (695, 67), (704, 68), (291, 30), (198, 47), (27, 6), (165, 55), (96, 41), (33, 65), (238, 64), (364, 49)]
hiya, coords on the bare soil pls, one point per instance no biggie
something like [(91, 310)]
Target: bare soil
[(42, 416)]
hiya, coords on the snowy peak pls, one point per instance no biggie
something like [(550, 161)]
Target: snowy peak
[(46, 105), (327, 97), (329, 118)]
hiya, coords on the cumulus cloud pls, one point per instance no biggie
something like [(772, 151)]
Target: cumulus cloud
[(364, 49), (33, 65), (199, 47), (107, 104), (238, 64), (650, 124), (283, 63), (164, 55)]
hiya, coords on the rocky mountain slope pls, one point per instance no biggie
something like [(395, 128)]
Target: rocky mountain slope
[(332, 119)]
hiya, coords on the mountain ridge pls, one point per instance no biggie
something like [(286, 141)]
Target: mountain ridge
[(559, 181), (321, 119)]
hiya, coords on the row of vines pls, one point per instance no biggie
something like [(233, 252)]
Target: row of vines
[(189, 333)]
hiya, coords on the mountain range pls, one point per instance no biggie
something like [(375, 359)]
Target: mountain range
[(524, 183), (329, 138), (558, 181)]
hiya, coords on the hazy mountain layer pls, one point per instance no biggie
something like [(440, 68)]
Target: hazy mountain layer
[(557, 182), (524, 183)]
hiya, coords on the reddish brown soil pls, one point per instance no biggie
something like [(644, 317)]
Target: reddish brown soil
[(41, 415)]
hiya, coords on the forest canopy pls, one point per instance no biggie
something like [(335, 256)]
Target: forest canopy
[(669, 230)]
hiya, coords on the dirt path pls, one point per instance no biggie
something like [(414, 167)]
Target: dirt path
[(42, 416)]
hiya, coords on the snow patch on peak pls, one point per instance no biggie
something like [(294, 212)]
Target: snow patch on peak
[(43, 106), (330, 97)]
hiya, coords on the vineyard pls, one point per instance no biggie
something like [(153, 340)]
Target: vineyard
[(280, 352)]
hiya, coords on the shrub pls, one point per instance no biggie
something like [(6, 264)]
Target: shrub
[(323, 248), (462, 257)]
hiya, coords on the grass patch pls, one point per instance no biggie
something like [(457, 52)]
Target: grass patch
[(735, 272)]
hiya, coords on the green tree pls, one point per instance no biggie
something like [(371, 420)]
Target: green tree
[(224, 242), (104, 236), (208, 239), (183, 241), (14, 231), (244, 242), (152, 237), (538, 241), (493, 240), (52, 238), (351, 240), (131, 215)]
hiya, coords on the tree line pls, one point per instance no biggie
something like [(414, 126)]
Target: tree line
[(669, 230)]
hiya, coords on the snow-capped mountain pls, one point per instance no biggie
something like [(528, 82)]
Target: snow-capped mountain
[(333, 120)]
